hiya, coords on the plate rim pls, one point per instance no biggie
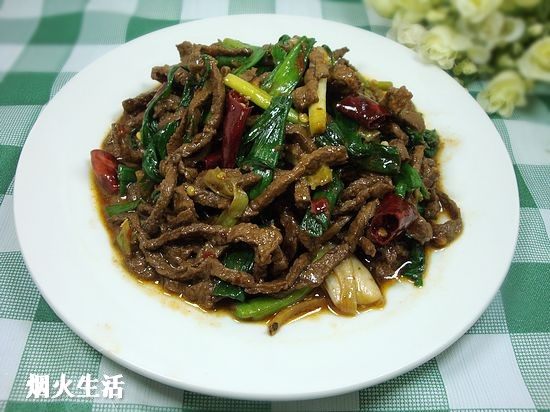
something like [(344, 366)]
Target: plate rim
[(215, 391)]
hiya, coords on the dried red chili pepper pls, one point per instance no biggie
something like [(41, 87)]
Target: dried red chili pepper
[(237, 110), (104, 165), (363, 110), (319, 205), (212, 160), (392, 217)]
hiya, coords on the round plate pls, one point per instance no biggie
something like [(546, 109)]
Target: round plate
[(69, 254)]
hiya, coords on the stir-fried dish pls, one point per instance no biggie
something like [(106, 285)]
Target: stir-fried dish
[(273, 181)]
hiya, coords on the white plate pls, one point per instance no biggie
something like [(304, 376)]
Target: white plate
[(68, 251)]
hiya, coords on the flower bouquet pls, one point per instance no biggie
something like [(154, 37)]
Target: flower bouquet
[(506, 42)]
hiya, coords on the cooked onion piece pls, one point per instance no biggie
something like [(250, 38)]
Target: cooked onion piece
[(293, 312), (351, 284)]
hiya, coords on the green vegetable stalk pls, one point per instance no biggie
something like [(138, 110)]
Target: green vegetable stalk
[(287, 74), (429, 138), (267, 134), (240, 257), (408, 180), (414, 268), (149, 126), (118, 208), (267, 178), (263, 306), (154, 140), (126, 175), (315, 224), (243, 63), (277, 51), (258, 96), (370, 156)]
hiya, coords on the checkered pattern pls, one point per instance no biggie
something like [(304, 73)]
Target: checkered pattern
[(503, 362)]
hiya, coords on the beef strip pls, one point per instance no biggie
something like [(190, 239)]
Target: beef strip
[(388, 260), (319, 66), (218, 49), (400, 146), (377, 191), (279, 285), (119, 140), (433, 207), (309, 163), (249, 74), (399, 102), (339, 53), (166, 189), (363, 183), (301, 135), (445, 233), (420, 230), (139, 103), (302, 197), (429, 172), (343, 78), (394, 129), (160, 74), (339, 223), (204, 137), (317, 271), (290, 238), (197, 292), (358, 225), (138, 265), (417, 156)]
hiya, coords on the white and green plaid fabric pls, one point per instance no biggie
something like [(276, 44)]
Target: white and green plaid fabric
[(502, 363)]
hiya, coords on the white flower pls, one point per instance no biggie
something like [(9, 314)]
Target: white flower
[(385, 8), (535, 30), (416, 6), (437, 15), (535, 62), (468, 67), (476, 10), (409, 34), (441, 45), (503, 93), (489, 30), (479, 54), (527, 4), (512, 29)]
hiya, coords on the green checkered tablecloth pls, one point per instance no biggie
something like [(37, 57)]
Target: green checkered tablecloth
[(502, 363)]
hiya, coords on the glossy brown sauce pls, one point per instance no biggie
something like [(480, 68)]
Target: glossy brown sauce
[(226, 307)]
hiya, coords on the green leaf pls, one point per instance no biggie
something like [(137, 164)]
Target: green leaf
[(267, 178), (125, 175), (118, 208), (227, 290), (287, 74), (267, 134), (408, 180), (429, 138), (414, 268)]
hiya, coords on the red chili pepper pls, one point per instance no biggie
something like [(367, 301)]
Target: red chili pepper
[(104, 165), (319, 205), (237, 110), (392, 217), (363, 110), (212, 160)]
